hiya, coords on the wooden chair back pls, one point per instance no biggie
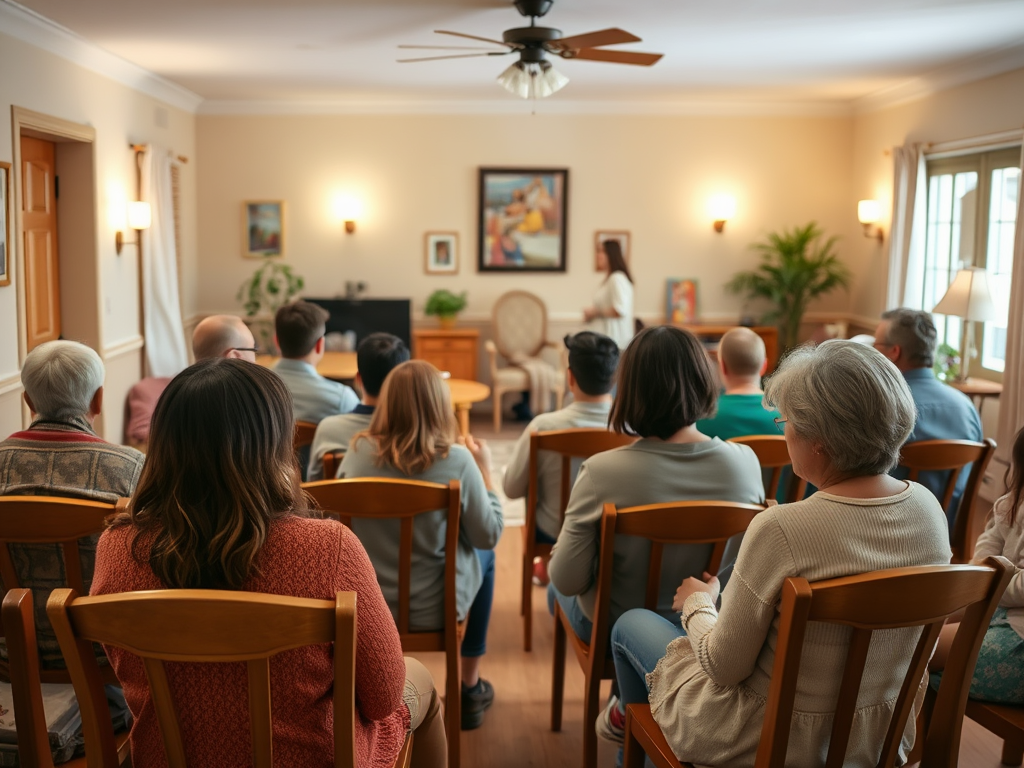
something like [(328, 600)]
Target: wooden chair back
[(18, 624), (953, 456), (332, 460), (197, 625), (404, 500), (772, 453), (304, 432), (902, 597)]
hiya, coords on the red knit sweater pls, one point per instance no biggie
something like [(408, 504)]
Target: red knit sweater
[(304, 558)]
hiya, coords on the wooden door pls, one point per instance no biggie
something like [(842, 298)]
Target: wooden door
[(39, 241)]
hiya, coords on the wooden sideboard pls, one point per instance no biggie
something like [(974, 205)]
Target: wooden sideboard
[(713, 333), (455, 351)]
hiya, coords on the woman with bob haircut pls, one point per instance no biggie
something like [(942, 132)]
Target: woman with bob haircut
[(665, 385), (219, 506), (413, 435), (846, 412)]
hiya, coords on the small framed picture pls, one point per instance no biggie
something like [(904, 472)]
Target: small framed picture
[(263, 228), (621, 236), (681, 304), (441, 253), (5, 223)]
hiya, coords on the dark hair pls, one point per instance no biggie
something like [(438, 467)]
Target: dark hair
[(299, 326), (913, 330), (665, 383), (593, 358), (1014, 478), (376, 355), (220, 469), (616, 261)]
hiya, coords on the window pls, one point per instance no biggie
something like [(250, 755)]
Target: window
[(972, 208)]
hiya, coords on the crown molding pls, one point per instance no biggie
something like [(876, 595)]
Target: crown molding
[(972, 69), (28, 26)]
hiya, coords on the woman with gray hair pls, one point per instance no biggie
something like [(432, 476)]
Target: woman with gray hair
[(845, 411)]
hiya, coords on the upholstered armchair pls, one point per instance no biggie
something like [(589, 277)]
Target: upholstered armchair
[(520, 326)]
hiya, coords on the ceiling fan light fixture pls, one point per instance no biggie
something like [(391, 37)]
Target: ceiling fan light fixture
[(532, 80)]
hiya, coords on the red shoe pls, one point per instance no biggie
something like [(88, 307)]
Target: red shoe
[(540, 572)]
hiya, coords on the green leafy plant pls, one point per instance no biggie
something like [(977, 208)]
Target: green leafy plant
[(796, 267), (445, 304), (270, 286), (947, 362)]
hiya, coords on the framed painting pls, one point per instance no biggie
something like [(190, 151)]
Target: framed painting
[(621, 236), (263, 228), (441, 253), (523, 219), (681, 304), (5, 223)]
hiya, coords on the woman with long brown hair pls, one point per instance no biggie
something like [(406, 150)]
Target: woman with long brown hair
[(414, 435), (219, 506), (612, 313)]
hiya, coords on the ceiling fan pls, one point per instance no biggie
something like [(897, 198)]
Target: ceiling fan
[(532, 76)]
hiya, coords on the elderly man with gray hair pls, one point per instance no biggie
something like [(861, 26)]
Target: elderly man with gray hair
[(61, 455), (908, 338)]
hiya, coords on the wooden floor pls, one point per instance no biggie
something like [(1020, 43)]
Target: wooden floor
[(517, 731)]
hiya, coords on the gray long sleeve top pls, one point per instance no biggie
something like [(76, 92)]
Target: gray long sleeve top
[(480, 527)]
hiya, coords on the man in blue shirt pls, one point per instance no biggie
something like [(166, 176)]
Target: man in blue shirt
[(299, 332), (908, 338)]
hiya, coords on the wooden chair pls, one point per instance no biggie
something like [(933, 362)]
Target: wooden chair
[(953, 456), (379, 498), (199, 625), (304, 432), (902, 597), (681, 522), (19, 625), (772, 453), (332, 459), (56, 520), (1006, 722), (570, 444)]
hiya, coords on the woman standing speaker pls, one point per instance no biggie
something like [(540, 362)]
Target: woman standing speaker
[(612, 313)]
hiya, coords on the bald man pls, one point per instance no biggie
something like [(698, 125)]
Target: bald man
[(741, 362), (223, 336)]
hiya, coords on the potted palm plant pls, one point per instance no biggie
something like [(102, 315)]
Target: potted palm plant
[(796, 267), (446, 306), (272, 285)]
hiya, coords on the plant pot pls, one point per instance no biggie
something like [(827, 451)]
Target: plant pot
[(447, 321)]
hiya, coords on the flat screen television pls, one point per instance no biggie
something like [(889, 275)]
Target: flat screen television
[(366, 316)]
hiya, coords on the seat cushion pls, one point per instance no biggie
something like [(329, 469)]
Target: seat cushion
[(511, 378)]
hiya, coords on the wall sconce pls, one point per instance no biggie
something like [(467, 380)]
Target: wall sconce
[(349, 210), (722, 208), (868, 213), (140, 217)]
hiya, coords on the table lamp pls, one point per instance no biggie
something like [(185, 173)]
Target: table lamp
[(969, 297)]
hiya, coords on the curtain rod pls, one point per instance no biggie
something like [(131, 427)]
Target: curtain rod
[(142, 147)]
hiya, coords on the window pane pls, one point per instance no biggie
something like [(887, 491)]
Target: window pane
[(999, 262), (949, 240)]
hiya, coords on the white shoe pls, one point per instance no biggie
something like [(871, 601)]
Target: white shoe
[(604, 726)]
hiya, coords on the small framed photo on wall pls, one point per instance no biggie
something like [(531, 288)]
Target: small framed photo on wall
[(5, 223), (263, 228), (621, 236), (681, 305), (441, 253)]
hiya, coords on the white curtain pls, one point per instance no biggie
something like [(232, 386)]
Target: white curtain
[(166, 354), (906, 243)]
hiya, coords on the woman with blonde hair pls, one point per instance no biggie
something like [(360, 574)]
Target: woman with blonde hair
[(413, 435), (219, 506)]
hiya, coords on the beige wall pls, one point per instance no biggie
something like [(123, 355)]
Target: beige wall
[(43, 82), (651, 175)]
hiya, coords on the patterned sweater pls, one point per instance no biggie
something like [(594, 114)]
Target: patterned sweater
[(303, 558), (61, 458)]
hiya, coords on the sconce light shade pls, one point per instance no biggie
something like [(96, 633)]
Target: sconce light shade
[(722, 208), (868, 213), (140, 216), (348, 209)]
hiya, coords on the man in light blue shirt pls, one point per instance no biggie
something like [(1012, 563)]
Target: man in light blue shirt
[(299, 332), (908, 338)]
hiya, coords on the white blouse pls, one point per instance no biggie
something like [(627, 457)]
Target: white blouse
[(615, 293)]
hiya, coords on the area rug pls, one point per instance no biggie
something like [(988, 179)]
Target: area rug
[(513, 509)]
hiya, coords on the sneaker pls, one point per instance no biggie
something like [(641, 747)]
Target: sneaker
[(476, 701), (540, 573), (611, 723)]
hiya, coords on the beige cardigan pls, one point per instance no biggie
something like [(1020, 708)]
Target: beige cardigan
[(708, 692), (1000, 538)]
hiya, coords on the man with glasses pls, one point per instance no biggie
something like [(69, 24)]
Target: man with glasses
[(223, 336)]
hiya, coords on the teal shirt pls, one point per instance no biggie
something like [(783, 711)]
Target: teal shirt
[(739, 416)]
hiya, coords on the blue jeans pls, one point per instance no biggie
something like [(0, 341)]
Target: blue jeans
[(581, 625), (542, 538), (475, 641), (639, 640)]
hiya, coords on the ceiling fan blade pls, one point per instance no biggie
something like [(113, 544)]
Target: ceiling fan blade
[(449, 48), (474, 37), (455, 56), (612, 36), (615, 57)]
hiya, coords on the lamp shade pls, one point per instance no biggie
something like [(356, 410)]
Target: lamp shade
[(868, 211), (532, 80), (969, 297), (140, 215)]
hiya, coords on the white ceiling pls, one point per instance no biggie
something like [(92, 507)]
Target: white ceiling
[(332, 51)]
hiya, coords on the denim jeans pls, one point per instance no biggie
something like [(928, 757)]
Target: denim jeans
[(475, 641), (639, 640), (581, 625)]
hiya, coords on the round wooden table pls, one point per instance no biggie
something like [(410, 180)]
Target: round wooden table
[(464, 394)]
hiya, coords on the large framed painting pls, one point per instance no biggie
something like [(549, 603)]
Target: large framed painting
[(523, 219), (5, 223), (263, 228)]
